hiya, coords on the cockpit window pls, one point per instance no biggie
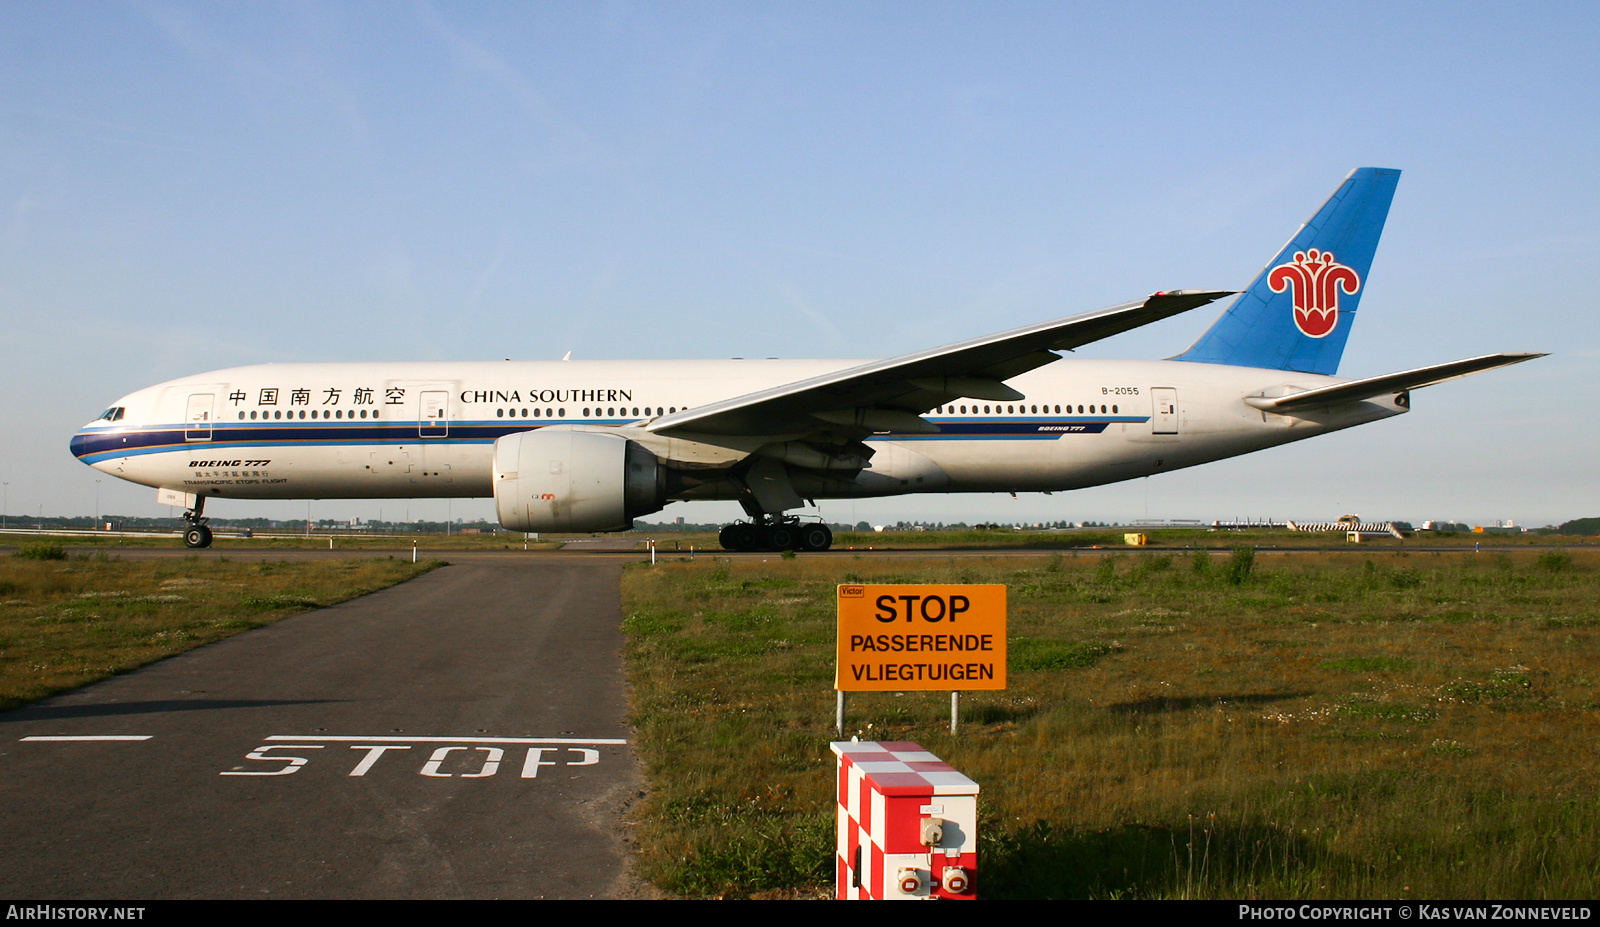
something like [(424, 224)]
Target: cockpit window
[(113, 414)]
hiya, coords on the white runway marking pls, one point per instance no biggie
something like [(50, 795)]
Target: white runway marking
[(88, 737), (402, 739), (434, 767)]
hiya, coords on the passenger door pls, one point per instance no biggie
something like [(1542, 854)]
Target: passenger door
[(197, 421), (1164, 419)]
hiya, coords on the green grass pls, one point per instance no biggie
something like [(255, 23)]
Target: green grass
[(1224, 725), (69, 621), (41, 550)]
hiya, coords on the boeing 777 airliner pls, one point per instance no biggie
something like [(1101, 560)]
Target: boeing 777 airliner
[(591, 445)]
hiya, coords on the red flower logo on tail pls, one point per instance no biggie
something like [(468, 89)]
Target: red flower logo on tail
[(1317, 280)]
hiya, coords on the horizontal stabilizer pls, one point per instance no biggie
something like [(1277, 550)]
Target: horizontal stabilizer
[(1388, 384)]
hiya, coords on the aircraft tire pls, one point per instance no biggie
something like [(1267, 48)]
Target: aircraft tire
[(197, 537), (782, 537), (739, 537), (816, 537)]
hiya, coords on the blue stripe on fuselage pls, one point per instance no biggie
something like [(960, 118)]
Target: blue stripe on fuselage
[(94, 445)]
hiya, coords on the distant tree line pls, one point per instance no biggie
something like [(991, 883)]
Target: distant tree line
[(351, 526), (1580, 526), (1575, 527)]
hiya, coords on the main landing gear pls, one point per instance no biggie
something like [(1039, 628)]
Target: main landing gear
[(776, 533), (196, 535)]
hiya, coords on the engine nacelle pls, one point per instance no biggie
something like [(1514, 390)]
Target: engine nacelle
[(556, 479)]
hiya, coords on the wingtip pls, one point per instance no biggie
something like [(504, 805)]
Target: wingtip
[(1207, 295)]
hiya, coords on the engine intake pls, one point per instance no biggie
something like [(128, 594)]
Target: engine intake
[(557, 479)]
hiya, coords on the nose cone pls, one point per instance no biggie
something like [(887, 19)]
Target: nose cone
[(90, 445)]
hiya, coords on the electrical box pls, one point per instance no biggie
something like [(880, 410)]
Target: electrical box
[(908, 824)]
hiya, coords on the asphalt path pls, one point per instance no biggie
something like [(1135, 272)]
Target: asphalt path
[(462, 735)]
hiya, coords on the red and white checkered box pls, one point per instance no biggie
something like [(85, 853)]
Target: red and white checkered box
[(908, 824)]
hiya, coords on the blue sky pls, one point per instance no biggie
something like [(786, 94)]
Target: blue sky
[(191, 186)]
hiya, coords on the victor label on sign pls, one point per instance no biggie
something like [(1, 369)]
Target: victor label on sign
[(899, 638)]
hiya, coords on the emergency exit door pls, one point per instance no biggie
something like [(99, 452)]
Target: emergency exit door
[(434, 421)]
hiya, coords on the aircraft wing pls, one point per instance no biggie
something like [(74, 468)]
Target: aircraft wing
[(891, 394), (1356, 390)]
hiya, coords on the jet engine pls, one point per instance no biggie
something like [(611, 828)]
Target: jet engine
[(556, 479)]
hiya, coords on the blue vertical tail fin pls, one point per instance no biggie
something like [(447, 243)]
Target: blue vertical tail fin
[(1298, 312)]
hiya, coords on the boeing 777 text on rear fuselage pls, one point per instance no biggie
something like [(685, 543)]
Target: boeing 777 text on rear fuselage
[(591, 445)]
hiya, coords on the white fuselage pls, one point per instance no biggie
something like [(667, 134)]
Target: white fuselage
[(416, 430)]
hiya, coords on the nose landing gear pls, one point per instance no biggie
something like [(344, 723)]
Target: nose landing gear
[(197, 534)]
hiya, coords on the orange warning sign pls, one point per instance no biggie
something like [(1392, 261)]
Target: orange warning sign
[(904, 638)]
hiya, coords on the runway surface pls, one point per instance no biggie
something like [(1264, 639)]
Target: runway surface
[(459, 736)]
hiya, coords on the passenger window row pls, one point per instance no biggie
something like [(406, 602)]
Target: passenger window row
[(608, 412), (277, 414), (115, 414)]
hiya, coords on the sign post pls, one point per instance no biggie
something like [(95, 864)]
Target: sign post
[(901, 638)]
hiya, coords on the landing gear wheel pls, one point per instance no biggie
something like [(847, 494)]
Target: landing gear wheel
[(197, 536), (782, 537), (740, 536), (816, 537)]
